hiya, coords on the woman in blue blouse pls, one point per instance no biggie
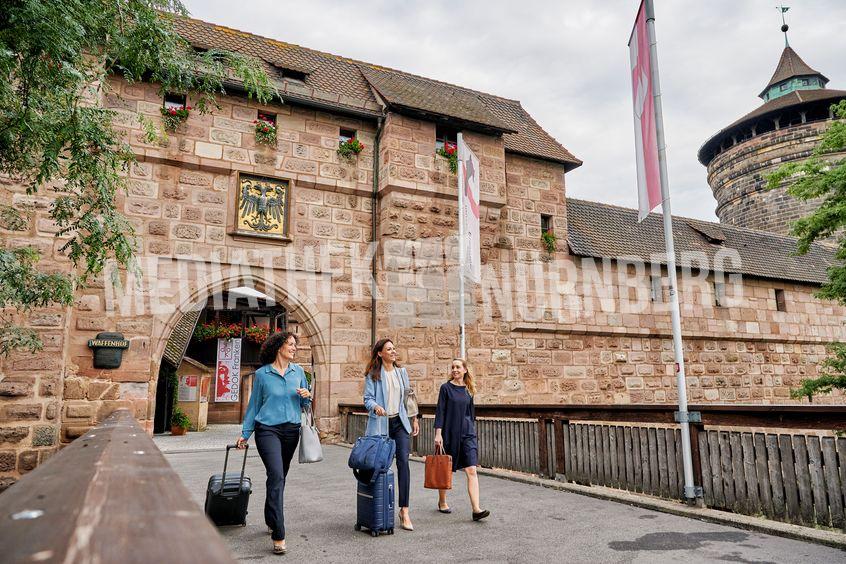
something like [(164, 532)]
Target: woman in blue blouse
[(280, 391), (455, 433), (385, 383)]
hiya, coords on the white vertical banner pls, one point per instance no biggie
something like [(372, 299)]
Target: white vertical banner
[(468, 187), (228, 371)]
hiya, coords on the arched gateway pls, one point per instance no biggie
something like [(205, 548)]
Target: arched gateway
[(283, 305)]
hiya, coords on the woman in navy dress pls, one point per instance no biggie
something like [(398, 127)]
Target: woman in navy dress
[(455, 433)]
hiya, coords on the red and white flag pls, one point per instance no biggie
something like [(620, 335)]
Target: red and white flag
[(468, 187), (646, 134)]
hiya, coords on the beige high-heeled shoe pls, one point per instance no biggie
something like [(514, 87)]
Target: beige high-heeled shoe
[(409, 526)]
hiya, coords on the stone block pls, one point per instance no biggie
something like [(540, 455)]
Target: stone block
[(158, 227), (45, 319), (225, 137), (44, 435), (27, 460), (71, 432), (208, 150), (7, 461), (91, 323), (189, 232), (15, 389), (143, 208), (79, 410), (13, 434), (21, 412), (75, 388)]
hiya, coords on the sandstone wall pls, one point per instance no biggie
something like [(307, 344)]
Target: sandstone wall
[(542, 328)]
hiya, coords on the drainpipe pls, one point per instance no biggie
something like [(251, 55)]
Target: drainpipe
[(373, 221)]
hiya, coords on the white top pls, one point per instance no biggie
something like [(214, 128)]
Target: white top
[(393, 387)]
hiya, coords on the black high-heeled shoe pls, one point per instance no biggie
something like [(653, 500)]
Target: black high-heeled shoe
[(447, 510)]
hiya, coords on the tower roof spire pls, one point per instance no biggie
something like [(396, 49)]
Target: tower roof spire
[(792, 73), (784, 26)]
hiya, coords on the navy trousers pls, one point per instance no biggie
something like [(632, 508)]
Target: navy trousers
[(403, 440), (276, 445)]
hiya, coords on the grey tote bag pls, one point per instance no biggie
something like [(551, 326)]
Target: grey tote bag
[(310, 448)]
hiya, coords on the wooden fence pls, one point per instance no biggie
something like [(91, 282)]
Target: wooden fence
[(110, 496), (796, 477), (790, 477)]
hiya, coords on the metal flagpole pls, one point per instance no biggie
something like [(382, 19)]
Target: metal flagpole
[(461, 187), (690, 491)]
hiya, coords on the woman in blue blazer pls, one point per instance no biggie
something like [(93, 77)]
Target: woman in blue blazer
[(385, 383)]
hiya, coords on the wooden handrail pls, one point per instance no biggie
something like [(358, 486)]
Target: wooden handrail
[(110, 496), (823, 417)]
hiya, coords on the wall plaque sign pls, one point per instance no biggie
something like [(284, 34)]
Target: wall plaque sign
[(108, 349), (262, 207)]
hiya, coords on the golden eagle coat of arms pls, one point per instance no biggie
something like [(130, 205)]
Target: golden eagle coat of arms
[(262, 206)]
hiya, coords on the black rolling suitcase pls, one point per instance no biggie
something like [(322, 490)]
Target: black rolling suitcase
[(375, 505), (228, 496)]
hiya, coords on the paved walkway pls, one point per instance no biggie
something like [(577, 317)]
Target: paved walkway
[(528, 523)]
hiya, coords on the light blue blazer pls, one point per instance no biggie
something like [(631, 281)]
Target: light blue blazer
[(374, 394)]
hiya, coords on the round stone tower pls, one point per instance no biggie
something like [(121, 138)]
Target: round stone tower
[(785, 128)]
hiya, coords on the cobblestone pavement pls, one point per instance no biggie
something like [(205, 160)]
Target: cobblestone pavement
[(215, 437), (528, 523)]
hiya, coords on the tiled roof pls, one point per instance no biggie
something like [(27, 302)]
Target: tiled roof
[(402, 91), (795, 98), (790, 65), (177, 343), (344, 83), (605, 231)]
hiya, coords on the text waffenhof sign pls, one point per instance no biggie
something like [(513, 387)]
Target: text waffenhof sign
[(228, 371)]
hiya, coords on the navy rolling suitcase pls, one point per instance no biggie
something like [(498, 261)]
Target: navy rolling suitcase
[(228, 496), (375, 504)]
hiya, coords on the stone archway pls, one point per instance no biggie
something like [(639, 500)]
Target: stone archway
[(313, 324)]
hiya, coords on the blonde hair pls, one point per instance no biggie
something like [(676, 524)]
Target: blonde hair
[(468, 378)]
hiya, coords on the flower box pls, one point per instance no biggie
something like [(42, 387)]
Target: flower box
[(174, 117)]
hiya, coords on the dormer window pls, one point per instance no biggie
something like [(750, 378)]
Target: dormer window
[(289, 74), (444, 135)]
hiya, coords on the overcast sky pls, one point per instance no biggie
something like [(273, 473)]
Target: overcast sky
[(567, 62)]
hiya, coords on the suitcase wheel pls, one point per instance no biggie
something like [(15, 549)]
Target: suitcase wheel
[(374, 533), (357, 527), (390, 531)]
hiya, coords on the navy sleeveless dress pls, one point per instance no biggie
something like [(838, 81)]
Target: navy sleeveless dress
[(455, 417)]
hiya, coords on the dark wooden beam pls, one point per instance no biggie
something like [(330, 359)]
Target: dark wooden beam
[(110, 496)]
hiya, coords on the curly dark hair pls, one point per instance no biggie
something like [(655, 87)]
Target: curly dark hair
[(270, 348)]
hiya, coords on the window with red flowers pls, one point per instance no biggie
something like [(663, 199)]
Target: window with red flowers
[(445, 136), (345, 135), (267, 117), (175, 101)]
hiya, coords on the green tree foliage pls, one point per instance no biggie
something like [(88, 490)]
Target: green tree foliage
[(823, 178), (56, 58)]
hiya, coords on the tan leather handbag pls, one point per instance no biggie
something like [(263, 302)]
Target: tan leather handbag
[(438, 471)]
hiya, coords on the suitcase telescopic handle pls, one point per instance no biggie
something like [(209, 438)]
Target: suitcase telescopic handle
[(243, 465)]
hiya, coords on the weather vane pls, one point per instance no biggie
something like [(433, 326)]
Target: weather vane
[(784, 26)]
